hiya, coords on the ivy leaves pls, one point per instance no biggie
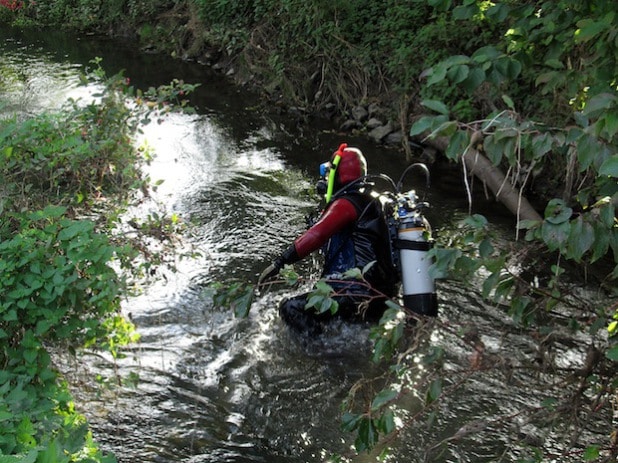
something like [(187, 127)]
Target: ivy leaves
[(487, 64)]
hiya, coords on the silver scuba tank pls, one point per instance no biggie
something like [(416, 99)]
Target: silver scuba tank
[(414, 242)]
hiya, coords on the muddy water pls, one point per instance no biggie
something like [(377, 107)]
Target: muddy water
[(212, 388)]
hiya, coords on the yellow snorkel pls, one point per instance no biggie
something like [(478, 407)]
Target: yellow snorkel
[(331, 178), (333, 171)]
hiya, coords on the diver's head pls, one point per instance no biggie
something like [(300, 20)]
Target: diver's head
[(345, 166)]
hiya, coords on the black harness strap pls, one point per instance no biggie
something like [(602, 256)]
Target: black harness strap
[(412, 245)]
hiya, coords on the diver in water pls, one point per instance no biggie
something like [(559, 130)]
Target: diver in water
[(351, 234)]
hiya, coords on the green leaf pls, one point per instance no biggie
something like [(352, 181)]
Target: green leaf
[(384, 397), (490, 283), (366, 268), (242, 304), (592, 453), (422, 125), (503, 288), (611, 124), (596, 326), (599, 104), (484, 54), (50, 454), (581, 238), (549, 80), (486, 249), (457, 60), (588, 148), (77, 438), (324, 288), (541, 144), (434, 391), (465, 12), (457, 145), (30, 355), (458, 74), (436, 106), (528, 224), (441, 5), (557, 212), (434, 356), (447, 129), (509, 68), (387, 423), (50, 212), (390, 314), (328, 304), (314, 301), (607, 212), (494, 149), (436, 74), (610, 166), (589, 29), (475, 78), (476, 221), (518, 309), (498, 12), (612, 353), (73, 229), (554, 63), (30, 457), (555, 236), (367, 435), (350, 421), (601, 242), (508, 101), (356, 273), (550, 403)]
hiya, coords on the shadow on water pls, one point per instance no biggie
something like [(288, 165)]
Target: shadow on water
[(213, 388)]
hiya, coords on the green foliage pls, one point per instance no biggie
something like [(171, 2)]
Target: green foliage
[(59, 288), (320, 299), (90, 15), (355, 45), (235, 295), (388, 333), (56, 279), (580, 226), (83, 153), (38, 422)]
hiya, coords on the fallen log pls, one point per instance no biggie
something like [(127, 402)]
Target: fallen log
[(477, 164)]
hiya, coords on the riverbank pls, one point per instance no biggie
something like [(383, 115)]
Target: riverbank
[(372, 116), (305, 64)]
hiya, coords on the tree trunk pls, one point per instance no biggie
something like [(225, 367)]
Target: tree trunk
[(477, 164)]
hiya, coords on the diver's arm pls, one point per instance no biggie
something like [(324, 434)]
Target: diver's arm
[(337, 216)]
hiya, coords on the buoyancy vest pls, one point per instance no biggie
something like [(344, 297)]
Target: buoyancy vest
[(363, 242)]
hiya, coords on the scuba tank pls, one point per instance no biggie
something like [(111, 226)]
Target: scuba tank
[(413, 242)]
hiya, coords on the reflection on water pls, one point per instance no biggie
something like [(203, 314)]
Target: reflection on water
[(213, 388)]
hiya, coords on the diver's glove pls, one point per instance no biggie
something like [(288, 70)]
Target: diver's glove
[(289, 256)]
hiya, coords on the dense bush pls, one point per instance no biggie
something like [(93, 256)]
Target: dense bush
[(89, 15), (58, 270), (58, 291), (355, 49)]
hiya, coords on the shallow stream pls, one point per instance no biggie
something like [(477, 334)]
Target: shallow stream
[(214, 388)]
